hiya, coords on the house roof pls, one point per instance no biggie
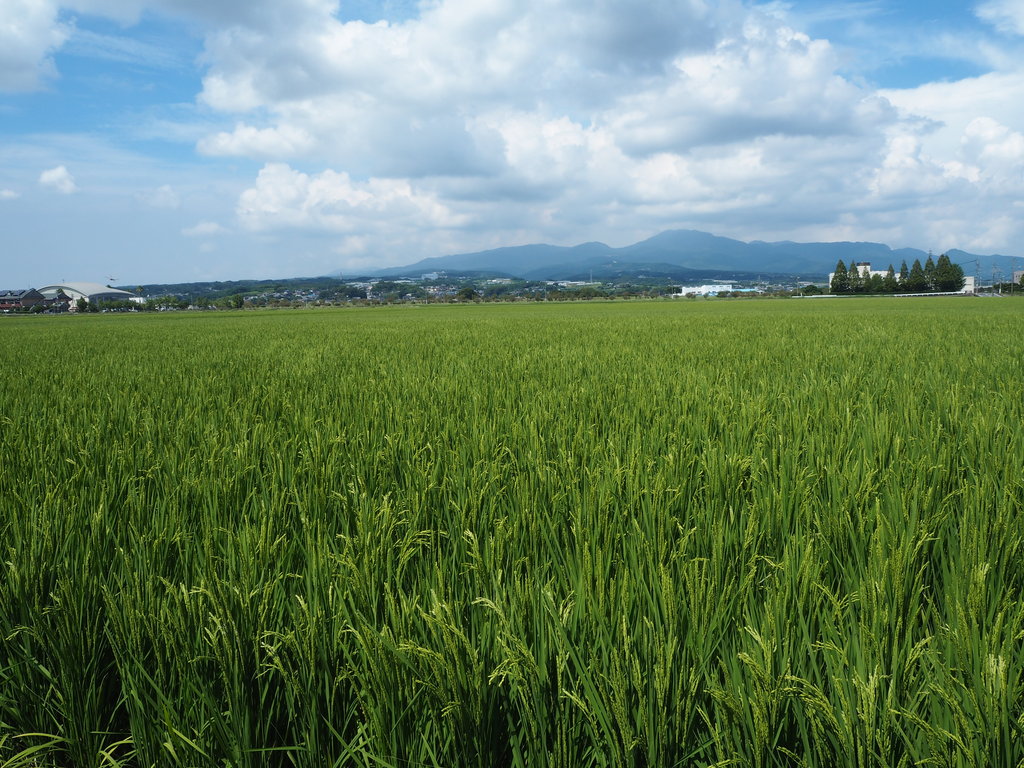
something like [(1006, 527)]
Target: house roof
[(8, 295)]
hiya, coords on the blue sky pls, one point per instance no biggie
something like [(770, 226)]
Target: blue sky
[(178, 140)]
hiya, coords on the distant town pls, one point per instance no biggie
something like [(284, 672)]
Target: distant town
[(432, 287)]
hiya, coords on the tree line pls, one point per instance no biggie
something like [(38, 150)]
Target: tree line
[(940, 275)]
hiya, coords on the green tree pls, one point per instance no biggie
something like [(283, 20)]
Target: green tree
[(857, 283), (889, 283), (947, 275), (917, 282), (467, 293), (904, 276), (840, 279), (929, 273)]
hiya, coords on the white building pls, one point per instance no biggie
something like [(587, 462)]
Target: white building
[(705, 290), (91, 292)]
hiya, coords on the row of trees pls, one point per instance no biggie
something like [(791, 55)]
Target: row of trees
[(934, 276), (160, 302)]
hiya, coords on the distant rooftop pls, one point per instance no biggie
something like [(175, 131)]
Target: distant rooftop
[(85, 289)]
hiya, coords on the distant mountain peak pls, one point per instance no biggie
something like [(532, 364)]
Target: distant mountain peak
[(669, 251)]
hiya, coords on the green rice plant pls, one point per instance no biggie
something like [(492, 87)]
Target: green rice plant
[(624, 534)]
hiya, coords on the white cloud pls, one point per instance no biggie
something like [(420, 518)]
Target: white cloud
[(399, 99), (967, 154), (8, 194), (995, 155), (950, 106), (905, 172), (1004, 15), (766, 80), (551, 118), (331, 201), (58, 178), (247, 141), (204, 229), (29, 32)]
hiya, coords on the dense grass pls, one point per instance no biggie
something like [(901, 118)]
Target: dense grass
[(664, 534)]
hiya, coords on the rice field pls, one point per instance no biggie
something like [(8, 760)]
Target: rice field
[(762, 533)]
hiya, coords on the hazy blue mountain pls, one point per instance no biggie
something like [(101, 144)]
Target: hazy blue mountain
[(622, 270), (515, 260), (681, 254), (987, 268)]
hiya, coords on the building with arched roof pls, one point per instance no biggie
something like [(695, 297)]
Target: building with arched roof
[(91, 292)]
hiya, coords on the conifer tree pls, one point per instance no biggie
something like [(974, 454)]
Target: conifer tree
[(889, 283), (916, 281), (840, 279), (904, 276), (856, 281), (947, 275), (929, 273)]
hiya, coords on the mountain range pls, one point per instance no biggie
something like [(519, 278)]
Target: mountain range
[(683, 254)]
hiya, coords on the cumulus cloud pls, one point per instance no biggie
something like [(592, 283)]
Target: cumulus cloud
[(950, 106), (283, 197), (29, 33), (8, 194), (990, 143), (766, 80), (993, 156), (968, 150), (905, 172), (498, 52), (58, 178), (665, 74)]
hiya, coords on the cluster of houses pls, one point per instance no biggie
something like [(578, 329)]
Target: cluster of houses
[(61, 297), (13, 301)]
